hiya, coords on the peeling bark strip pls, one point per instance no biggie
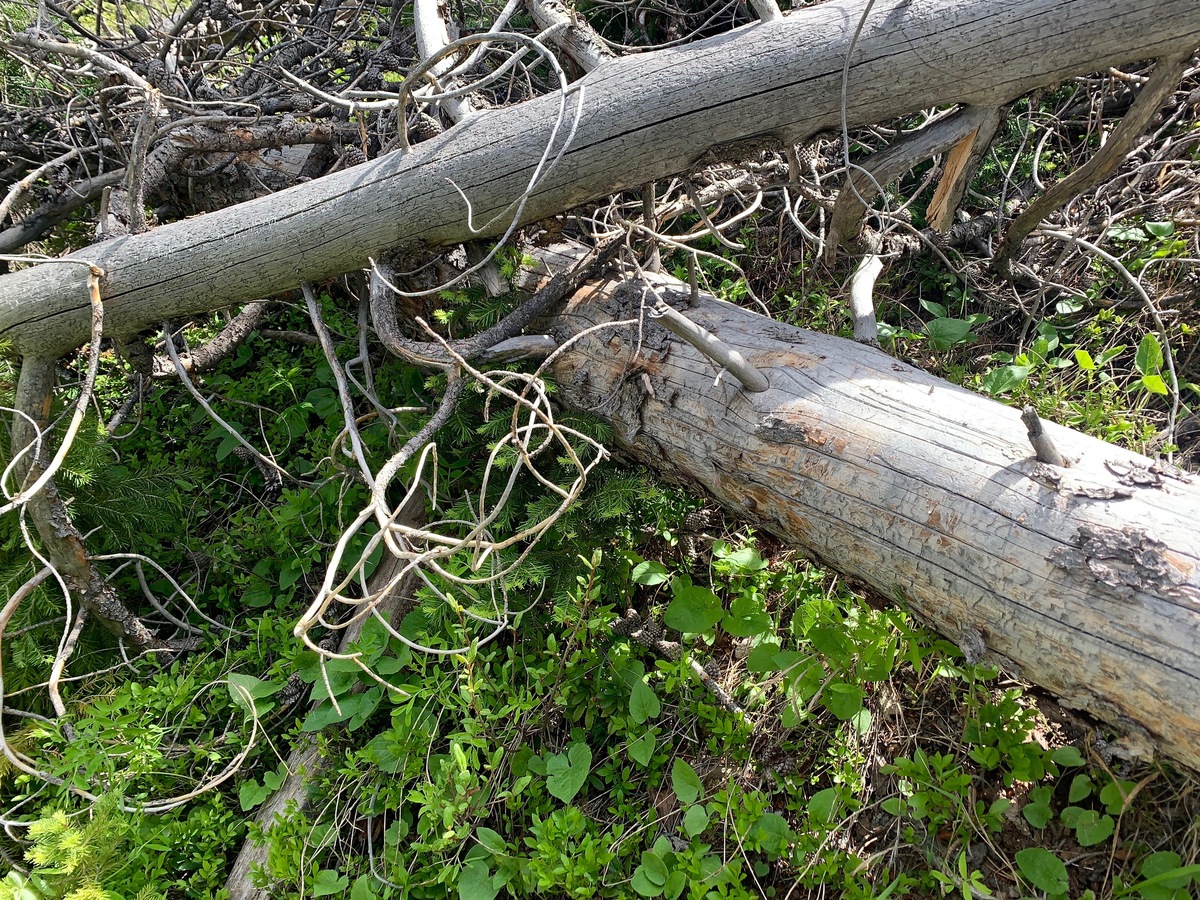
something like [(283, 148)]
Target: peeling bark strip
[(642, 118), (1083, 580)]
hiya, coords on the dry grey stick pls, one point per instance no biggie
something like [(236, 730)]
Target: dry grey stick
[(721, 355), (1043, 447), (862, 299), (1163, 81)]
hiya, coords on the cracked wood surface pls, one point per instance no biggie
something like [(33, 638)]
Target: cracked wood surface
[(1084, 580), (642, 118)]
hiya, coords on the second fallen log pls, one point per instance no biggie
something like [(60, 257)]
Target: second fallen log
[(1084, 579)]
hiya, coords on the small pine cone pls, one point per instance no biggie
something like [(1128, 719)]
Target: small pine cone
[(712, 670), (372, 80), (687, 543), (939, 240), (697, 520), (354, 157), (807, 155), (156, 71), (642, 638), (1158, 212), (627, 624), (424, 128), (140, 33), (670, 649), (243, 454), (653, 630), (293, 690)]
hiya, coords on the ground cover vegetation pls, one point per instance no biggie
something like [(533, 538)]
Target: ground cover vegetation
[(678, 705)]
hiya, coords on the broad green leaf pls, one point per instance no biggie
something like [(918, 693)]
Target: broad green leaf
[(1149, 357), (695, 820), (341, 675), (1081, 786), (1043, 869), (685, 782), (1155, 385), (1115, 794), (946, 333), (649, 572), (491, 840), (642, 749), (476, 882), (643, 703), (1131, 233), (746, 618), (1165, 878), (694, 609), (655, 868), (1067, 756), (1092, 828), (251, 693), (229, 444), (355, 708), (762, 658), (1161, 229), (643, 885), (251, 794), (844, 700), (363, 889), (1084, 360), (1110, 354), (1005, 378), (743, 561), (933, 308), (831, 642), (771, 834), (675, 885), (328, 881), (1165, 862), (822, 805), (566, 773)]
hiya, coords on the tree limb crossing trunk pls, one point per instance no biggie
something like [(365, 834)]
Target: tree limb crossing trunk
[(1084, 579), (641, 118)]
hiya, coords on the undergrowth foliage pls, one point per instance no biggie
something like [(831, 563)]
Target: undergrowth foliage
[(674, 705), (863, 755)]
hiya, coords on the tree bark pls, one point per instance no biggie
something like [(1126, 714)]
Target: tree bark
[(1083, 579), (641, 119)]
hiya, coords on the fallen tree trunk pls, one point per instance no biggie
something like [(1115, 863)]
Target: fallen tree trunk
[(1084, 579), (640, 118)]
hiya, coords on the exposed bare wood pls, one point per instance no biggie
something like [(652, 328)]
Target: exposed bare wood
[(579, 41), (960, 166), (870, 176), (862, 298)]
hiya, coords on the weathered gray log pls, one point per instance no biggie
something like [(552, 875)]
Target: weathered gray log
[(641, 118), (1084, 579)]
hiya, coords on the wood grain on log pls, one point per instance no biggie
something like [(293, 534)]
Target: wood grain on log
[(641, 118), (1083, 579)]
